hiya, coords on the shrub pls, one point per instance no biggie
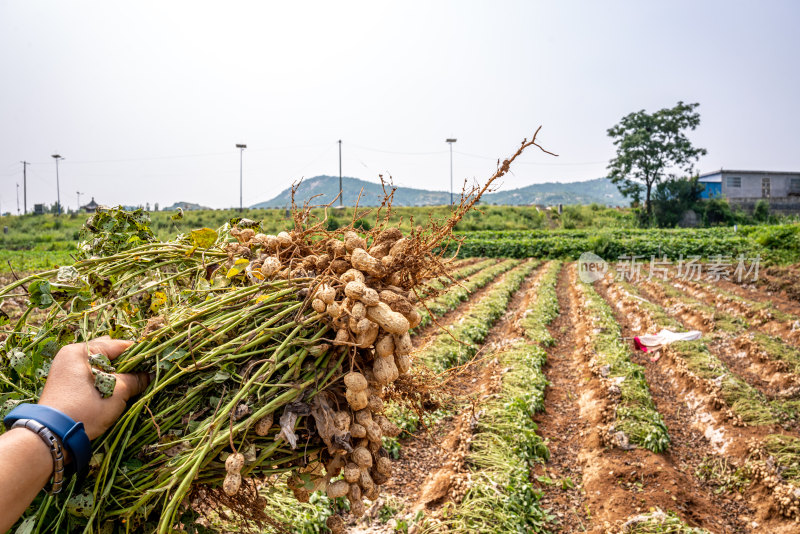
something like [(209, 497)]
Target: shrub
[(761, 210)]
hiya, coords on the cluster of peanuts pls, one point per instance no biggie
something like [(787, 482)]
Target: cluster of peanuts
[(359, 291)]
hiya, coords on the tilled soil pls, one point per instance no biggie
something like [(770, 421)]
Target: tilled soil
[(696, 415), (693, 499), (735, 349), (424, 336)]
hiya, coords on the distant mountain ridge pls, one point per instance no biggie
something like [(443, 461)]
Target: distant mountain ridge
[(326, 188)]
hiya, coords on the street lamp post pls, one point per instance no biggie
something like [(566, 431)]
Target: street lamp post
[(79, 202), (241, 148), (341, 201), (450, 142), (58, 157)]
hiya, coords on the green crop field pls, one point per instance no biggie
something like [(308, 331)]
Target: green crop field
[(41, 242)]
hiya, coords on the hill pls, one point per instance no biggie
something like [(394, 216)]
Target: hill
[(185, 206), (600, 190)]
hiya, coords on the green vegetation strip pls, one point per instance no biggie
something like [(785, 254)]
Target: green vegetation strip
[(473, 327), (505, 447), (746, 401), (544, 308), (636, 414), (612, 243), (461, 292), (459, 274), (501, 497)]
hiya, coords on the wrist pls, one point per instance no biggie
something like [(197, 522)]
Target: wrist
[(71, 434), (28, 445)]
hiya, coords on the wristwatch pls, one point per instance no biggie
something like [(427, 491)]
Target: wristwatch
[(59, 432)]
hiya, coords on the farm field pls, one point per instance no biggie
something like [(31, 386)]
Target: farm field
[(547, 419), (41, 242), (534, 411)]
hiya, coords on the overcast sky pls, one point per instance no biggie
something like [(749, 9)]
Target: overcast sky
[(146, 100)]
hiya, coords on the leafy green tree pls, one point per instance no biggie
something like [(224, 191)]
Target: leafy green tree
[(649, 146), (673, 198)]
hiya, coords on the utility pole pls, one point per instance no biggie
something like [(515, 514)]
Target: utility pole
[(25, 186), (79, 202), (340, 173), (58, 157), (450, 142), (241, 148), (17, 200)]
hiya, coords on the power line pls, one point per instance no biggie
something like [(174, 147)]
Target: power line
[(399, 153)]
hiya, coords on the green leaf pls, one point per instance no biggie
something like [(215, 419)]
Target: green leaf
[(26, 527), (204, 237), (81, 505), (19, 361), (102, 362), (221, 376), (104, 383), (40, 296), (4, 318)]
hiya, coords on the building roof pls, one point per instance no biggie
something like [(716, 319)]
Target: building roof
[(729, 171), (91, 205)]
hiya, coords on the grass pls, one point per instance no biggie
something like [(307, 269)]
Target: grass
[(636, 414), (473, 327)]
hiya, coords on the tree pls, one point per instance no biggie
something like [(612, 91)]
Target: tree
[(649, 145), (673, 198)]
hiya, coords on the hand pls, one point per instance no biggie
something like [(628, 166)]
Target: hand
[(70, 385)]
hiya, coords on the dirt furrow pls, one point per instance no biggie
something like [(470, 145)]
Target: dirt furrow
[(617, 483), (427, 334), (704, 430), (760, 315), (561, 424), (734, 345)]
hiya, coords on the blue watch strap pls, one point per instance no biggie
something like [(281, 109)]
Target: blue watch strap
[(72, 434)]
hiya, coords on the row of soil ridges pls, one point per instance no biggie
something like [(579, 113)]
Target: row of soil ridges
[(466, 282), (765, 361), (727, 434), (605, 427), (435, 470)]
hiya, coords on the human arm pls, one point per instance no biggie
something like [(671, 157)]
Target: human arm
[(25, 460)]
